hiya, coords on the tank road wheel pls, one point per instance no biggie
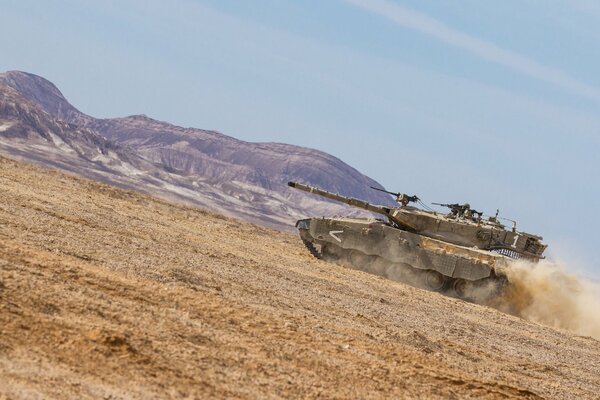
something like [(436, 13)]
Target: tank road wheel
[(331, 252), (434, 280), (502, 283), (462, 287)]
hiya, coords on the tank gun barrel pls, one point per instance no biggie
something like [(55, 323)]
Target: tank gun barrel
[(388, 212), (342, 199)]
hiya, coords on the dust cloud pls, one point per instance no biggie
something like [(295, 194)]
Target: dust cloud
[(377, 266), (547, 293), (544, 292)]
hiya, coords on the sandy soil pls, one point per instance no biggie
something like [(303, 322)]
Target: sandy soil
[(110, 294)]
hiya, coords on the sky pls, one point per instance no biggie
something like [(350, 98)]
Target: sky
[(492, 103)]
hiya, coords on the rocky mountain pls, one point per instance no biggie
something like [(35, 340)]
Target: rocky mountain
[(195, 166)]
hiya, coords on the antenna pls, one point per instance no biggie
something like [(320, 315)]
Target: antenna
[(514, 227)]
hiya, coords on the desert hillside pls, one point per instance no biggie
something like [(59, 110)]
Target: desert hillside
[(196, 167), (111, 294)]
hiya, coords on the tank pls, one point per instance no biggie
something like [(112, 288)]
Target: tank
[(459, 252)]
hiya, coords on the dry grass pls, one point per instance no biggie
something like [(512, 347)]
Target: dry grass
[(110, 294)]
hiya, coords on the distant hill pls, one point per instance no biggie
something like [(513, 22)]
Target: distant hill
[(195, 166)]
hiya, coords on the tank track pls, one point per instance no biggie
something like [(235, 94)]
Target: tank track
[(312, 249), (427, 279)]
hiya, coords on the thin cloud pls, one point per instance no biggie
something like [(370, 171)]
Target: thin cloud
[(422, 23)]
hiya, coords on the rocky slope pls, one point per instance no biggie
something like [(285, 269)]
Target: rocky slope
[(106, 293), (199, 167)]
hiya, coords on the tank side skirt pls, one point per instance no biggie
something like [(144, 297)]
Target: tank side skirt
[(396, 246)]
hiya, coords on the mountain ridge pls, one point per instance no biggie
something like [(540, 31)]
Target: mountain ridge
[(202, 167)]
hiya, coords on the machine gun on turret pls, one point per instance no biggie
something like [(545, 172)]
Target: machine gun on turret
[(401, 198), (461, 210)]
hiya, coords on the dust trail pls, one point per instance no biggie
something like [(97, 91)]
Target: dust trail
[(543, 292), (546, 293)]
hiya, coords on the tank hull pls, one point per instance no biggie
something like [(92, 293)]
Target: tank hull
[(377, 247)]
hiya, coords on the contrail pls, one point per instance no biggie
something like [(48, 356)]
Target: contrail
[(423, 23)]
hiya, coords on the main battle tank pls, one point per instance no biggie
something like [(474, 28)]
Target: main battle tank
[(456, 252)]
